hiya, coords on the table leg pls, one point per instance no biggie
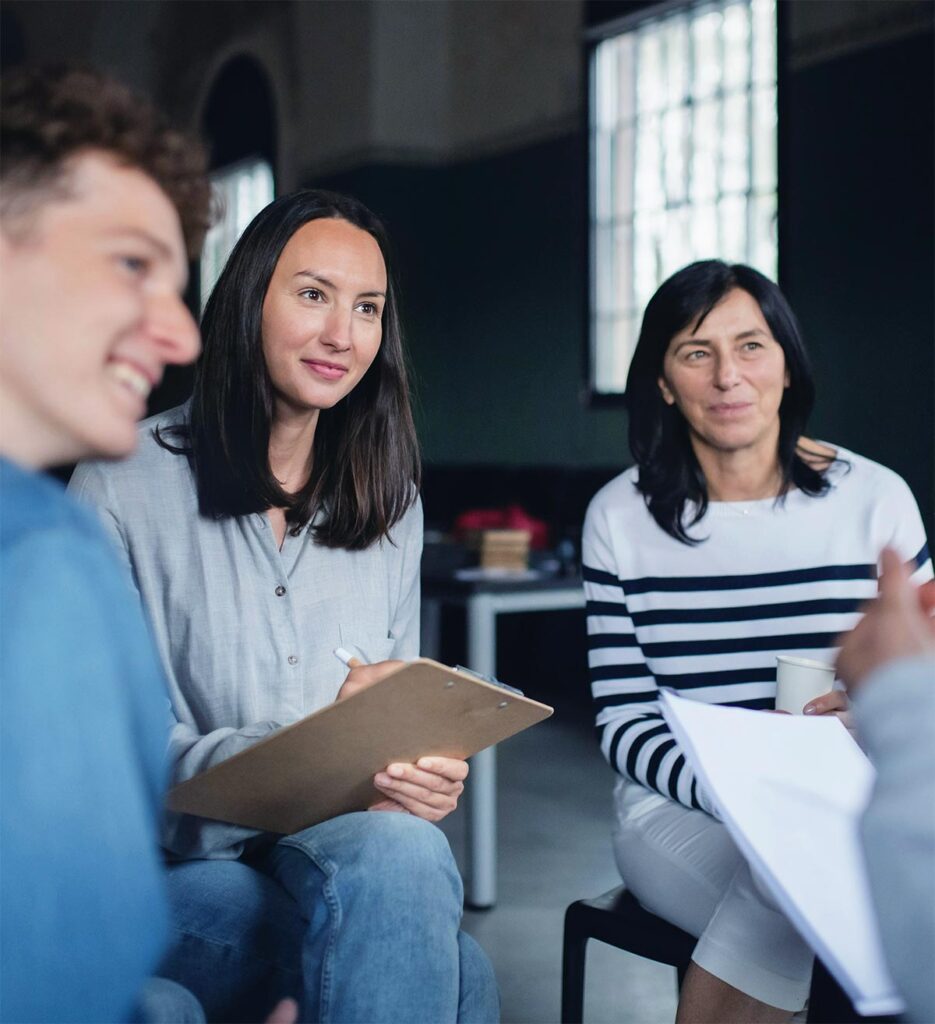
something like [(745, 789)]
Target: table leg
[(481, 793), (430, 622)]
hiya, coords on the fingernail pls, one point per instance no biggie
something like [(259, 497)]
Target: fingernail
[(382, 779), (426, 762), (809, 709), (395, 770)]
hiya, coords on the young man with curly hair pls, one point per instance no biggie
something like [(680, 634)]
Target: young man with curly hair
[(101, 204)]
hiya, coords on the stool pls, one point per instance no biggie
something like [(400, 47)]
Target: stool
[(617, 919)]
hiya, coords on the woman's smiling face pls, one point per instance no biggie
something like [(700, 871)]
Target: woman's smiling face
[(727, 377), (322, 315)]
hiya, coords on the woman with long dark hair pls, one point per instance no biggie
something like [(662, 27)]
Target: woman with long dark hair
[(732, 540), (274, 518)]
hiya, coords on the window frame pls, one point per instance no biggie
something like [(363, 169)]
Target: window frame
[(237, 166), (593, 35)]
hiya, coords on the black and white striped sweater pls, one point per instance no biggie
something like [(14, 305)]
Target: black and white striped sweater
[(709, 620)]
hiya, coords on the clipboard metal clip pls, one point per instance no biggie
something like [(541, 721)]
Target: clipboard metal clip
[(488, 679)]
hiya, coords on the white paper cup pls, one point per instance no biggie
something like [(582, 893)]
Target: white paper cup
[(799, 680)]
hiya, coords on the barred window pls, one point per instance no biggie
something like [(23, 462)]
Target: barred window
[(241, 191), (683, 160)]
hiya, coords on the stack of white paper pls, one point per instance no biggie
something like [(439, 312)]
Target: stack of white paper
[(790, 790)]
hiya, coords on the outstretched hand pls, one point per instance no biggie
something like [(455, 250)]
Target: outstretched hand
[(898, 624)]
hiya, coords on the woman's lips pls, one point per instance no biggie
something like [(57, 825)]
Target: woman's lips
[(730, 408), (327, 371)]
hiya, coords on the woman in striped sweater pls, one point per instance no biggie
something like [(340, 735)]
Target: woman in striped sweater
[(732, 540)]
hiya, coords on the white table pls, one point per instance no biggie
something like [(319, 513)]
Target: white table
[(483, 601)]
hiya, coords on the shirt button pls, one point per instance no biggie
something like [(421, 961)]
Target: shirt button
[(292, 659), (280, 590)]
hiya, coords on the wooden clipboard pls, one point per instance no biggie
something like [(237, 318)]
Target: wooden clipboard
[(323, 765)]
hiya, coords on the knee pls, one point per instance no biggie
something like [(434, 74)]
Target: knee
[(386, 858), (162, 1001), (413, 853), (375, 866)]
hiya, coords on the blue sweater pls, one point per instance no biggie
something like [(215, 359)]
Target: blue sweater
[(83, 734)]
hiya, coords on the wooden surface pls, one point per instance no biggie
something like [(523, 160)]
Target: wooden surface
[(323, 765)]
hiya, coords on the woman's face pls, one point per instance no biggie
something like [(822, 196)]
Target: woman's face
[(727, 378), (322, 315)]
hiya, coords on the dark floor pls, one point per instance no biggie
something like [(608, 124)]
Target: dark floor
[(554, 847)]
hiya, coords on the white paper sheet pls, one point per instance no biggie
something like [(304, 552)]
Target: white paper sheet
[(790, 790)]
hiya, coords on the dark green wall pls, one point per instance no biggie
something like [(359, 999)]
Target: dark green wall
[(857, 243), (493, 257)]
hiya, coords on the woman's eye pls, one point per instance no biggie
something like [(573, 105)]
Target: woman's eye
[(136, 265), (312, 294), (695, 355), (752, 346), (369, 309)]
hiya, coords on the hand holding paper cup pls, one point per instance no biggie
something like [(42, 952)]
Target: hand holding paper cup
[(800, 680)]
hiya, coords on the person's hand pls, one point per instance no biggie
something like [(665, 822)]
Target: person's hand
[(897, 625), (362, 676), (286, 1011), (833, 703), (428, 789)]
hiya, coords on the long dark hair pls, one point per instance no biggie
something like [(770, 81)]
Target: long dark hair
[(365, 463), (669, 474)]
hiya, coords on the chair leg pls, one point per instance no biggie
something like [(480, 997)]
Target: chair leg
[(574, 950)]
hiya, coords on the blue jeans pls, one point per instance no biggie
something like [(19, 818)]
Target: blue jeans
[(358, 918), (165, 1002)]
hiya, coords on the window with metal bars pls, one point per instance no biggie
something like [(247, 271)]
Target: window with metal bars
[(682, 160), (241, 191)]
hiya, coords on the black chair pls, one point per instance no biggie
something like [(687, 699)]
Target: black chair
[(828, 1003), (617, 919)]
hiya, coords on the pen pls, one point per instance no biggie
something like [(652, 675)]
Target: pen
[(349, 659)]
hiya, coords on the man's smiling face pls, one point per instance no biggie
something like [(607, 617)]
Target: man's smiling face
[(90, 310)]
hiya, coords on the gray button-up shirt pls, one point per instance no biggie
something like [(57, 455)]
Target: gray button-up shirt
[(246, 631)]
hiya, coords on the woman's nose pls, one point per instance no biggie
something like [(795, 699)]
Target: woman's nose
[(337, 332), (726, 372)]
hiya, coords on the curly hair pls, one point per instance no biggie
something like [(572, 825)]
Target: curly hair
[(51, 114)]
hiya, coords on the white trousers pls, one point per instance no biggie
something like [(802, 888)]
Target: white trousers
[(683, 866)]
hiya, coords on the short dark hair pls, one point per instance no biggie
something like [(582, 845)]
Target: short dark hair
[(366, 467), (50, 115), (669, 474)]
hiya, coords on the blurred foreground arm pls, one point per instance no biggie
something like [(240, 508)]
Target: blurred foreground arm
[(890, 657), (898, 624)]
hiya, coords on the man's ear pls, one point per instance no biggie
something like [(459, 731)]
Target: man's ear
[(667, 395)]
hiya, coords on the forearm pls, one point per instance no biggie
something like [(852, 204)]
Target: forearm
[(895, 713), (893, 705), (640, 746), (189, 837)]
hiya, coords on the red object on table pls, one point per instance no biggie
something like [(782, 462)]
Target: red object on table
[(513, 517)]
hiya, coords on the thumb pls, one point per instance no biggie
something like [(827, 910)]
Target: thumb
[(284, 1012), (894, 579)]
